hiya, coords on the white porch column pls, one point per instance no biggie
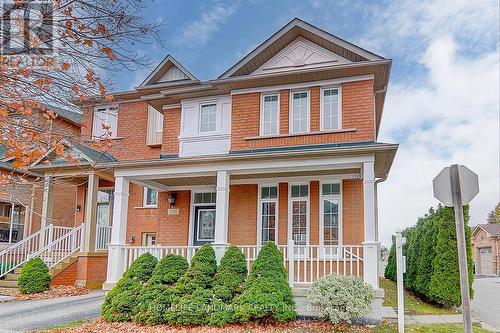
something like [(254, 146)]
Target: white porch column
[(116, 266), (370, 245), (47, 203), (221, 213), (90, 218)]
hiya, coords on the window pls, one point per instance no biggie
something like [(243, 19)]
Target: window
[(299, 205), (208, 115), (330, 215), (270, 115), (300, 112), (159, 123), (105, 122), (204, 197), (268, 213), (330, 109), (150, 197), (149, 239)]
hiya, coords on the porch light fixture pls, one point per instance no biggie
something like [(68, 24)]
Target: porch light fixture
[(78, 208), (171, 199), (132, 239)]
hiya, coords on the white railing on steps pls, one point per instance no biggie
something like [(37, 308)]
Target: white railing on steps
[(61, 248), (19, 253)]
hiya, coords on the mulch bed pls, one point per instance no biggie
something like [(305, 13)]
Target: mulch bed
[(53, 292), (293, 327)]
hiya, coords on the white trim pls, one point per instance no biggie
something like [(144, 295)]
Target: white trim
[(338, 197), (308, 207), (263, 181), (293, 86), (171, 106), (261, 127), (245, 167), (290, 110), (192, 205), (145, 198), (259, 210), (321, 107), (107, 110)]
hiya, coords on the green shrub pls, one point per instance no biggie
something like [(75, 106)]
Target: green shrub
[(427, 253), (34, 277), (230, 275), (119, 304), (266, 293), (444, 287), (156, 297), (390, 269), (341, 298), (192, 294)]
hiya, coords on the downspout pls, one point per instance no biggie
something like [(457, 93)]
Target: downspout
[(377, 181)]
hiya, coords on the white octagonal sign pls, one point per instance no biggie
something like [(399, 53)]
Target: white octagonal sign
[(469, 185)]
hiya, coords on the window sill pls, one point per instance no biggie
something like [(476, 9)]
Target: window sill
[(289, 135), (146, 207)]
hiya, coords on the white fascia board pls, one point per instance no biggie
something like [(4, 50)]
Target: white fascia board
[(293, 86), (244, 167), (152, 184)]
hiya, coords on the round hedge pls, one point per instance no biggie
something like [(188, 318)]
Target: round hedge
[(34, 277)]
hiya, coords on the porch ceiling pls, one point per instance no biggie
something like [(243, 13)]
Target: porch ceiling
[(188, 181)]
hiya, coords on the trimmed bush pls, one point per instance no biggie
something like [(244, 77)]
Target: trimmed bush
[(156, 297), (266, 294), (427, 244), (341, 298), (390, 269), (230, 275), (192, 294), (120, 302), (34, 277)]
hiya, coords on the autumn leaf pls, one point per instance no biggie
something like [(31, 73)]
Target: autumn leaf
[(75, 89), (59, 150), (4, 113), (65, 66), (87, 42), (69, 24), (109, 52)]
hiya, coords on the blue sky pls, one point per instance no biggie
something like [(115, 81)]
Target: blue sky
[(443, 100)]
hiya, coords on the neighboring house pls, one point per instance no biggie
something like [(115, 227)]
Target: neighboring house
[(21, 202), (281, 147), (486, 249)]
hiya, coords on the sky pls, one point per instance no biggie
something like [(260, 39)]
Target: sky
[(442, 103)]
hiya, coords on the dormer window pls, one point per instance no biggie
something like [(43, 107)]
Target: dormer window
[(299, 113), (208, 118), (105, 122), (330, 109)]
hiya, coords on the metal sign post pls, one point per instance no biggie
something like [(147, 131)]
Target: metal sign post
[(455, 186), (400, 241)]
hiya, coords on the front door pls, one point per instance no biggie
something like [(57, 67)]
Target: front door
[(204, 225)]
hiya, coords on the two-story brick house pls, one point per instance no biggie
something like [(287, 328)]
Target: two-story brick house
[(281, 147)]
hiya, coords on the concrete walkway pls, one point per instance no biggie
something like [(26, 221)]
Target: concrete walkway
[(22, 316)]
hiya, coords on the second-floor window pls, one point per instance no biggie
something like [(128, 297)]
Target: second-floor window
[(299, 117), (105, 122), (330, 109), (208, 118), (150, 197), (270, 114)]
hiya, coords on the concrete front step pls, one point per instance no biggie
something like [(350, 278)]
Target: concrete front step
[(8, 283), (11, 277)]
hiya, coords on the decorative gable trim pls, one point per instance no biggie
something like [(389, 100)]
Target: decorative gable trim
[(301, 53), (169, 70)]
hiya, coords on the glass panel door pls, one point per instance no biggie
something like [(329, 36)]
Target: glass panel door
[(204, 225)]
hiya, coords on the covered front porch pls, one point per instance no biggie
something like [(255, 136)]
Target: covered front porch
[(320, 210)]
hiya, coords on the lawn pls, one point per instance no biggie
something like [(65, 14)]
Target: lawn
[(413, 304)]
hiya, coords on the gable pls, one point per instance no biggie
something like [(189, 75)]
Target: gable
[(169, 70), (301, 53)]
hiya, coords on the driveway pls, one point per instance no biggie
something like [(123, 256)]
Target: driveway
[(22, 316), (486, 303)]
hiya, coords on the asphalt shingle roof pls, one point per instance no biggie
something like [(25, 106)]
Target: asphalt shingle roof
[(491, 228)]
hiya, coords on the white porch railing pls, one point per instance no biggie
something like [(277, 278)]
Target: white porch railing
[(305, 263), (61, 248), (102, 237), (19, 253)]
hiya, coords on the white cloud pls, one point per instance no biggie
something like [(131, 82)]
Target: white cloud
[(198, 33), (453, 117)]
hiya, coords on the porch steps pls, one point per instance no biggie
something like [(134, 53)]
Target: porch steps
[(303, 307), (10, 280)]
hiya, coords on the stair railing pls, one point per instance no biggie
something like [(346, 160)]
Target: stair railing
[(19, 253), (61, 248)]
